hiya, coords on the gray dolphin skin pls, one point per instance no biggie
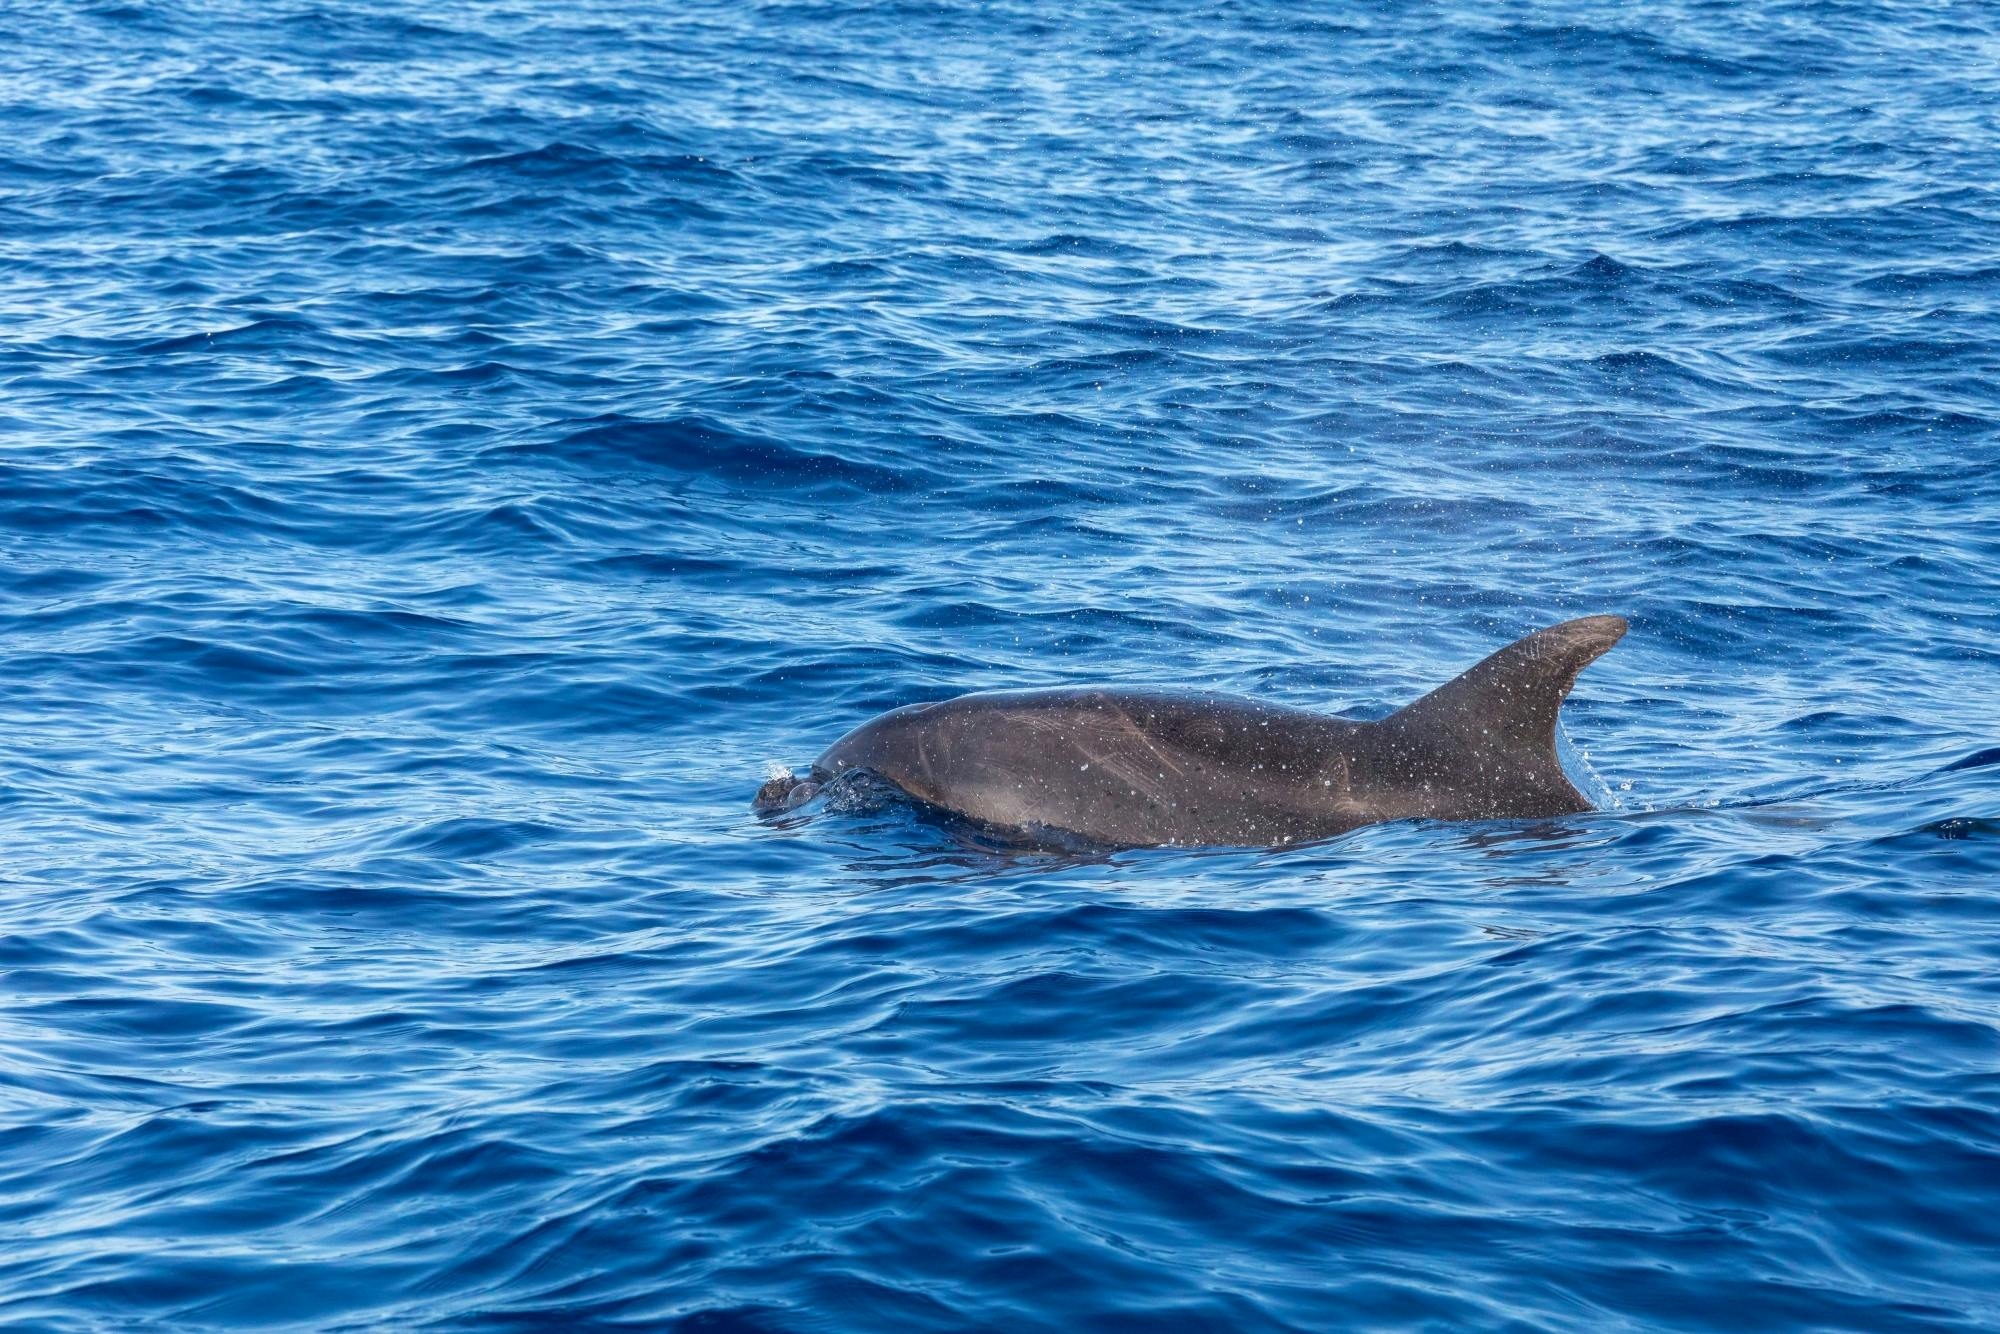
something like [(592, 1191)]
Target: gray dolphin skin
[(1136, 768)]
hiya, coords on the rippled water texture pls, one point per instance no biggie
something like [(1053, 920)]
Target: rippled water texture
[(447, 451)]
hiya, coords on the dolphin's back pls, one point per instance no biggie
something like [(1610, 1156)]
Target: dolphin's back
[(1136, 767), (1115, 766)]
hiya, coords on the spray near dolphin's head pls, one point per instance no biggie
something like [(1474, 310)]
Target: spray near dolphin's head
[(782, 791)]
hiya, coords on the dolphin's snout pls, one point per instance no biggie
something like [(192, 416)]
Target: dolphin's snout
[(783, 792)]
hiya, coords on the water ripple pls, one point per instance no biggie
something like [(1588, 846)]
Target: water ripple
[(449, 451)]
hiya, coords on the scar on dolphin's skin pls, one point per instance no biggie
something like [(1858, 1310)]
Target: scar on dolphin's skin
[(1142, 767)]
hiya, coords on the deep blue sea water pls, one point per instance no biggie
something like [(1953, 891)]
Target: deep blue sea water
[(449, 450)]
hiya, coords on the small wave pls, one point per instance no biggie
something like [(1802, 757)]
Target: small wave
[(1979, 759), (698, 446)]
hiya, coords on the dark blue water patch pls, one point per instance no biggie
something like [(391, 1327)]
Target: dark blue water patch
[(1981, 759), (695, 446), (450, 454)]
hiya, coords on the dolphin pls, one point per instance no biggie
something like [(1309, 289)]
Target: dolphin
[(1143, 768)]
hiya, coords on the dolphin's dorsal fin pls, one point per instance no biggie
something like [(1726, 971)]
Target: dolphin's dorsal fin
[(1508, 703)]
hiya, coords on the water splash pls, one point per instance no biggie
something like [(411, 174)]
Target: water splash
[(1580, 771)]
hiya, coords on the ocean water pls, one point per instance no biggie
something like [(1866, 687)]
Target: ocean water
[(448, 451)]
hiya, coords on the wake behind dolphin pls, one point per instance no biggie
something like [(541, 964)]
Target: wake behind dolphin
[(1136, 768)]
